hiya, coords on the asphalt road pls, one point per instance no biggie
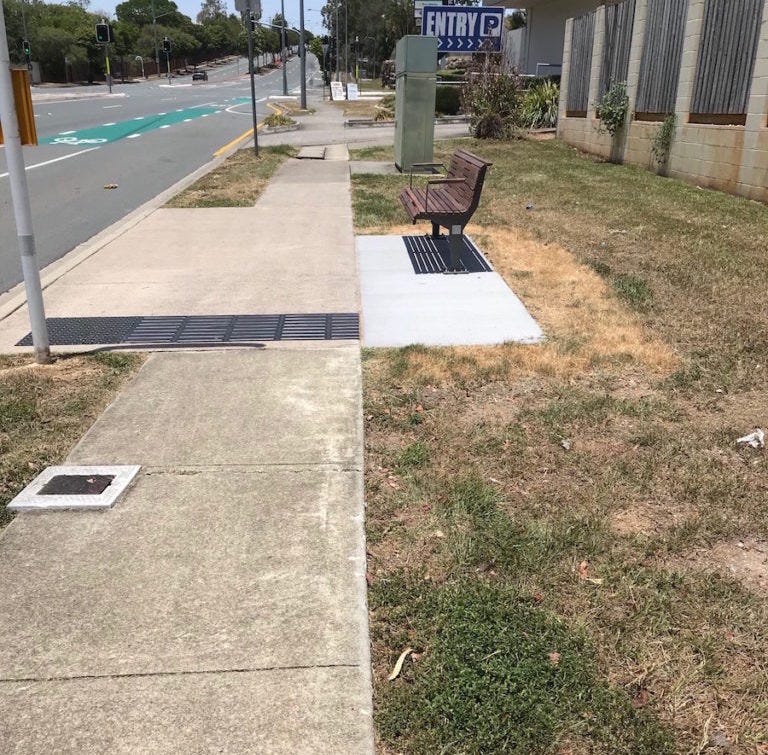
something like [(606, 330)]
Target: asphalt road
[(143, 138)]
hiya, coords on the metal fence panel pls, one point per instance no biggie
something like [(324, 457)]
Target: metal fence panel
[(582, 39), (619, 20), (662, 55), (727, 53)]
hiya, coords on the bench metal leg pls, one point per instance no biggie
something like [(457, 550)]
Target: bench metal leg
[(456, 243), (435, 231)]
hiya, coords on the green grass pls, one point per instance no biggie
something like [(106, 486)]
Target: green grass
[(500, 676), (237, 182), (516, 509), (45, 409)]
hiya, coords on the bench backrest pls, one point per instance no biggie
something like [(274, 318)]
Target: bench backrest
[(472, 169)]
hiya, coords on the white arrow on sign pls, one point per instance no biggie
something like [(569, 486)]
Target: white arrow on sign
[(449, 43), (470, 43), (460, 43)]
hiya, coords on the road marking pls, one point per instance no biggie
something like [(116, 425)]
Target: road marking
[(108, 124), (221, 150), (187, 120), (109, 107), (139, 118), (166, 125), (133, 136), (55, 160), (64, 133), (162, 113)]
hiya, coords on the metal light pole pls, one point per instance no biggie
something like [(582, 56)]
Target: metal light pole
[(346, 42), (303, 51), (282, 42), (338, 43), (250, 71), (20, 199)]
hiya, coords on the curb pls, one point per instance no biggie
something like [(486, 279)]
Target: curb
[(16, 297)]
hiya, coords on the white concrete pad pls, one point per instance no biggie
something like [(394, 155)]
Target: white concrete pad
[(401, 308), (31, 498)]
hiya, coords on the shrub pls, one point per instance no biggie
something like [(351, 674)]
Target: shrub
[(662, 140), (447, 100), (612, 109), (275, 120), (491, 98), (385, 110), (539, 106)]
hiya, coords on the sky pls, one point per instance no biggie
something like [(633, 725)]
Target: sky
[(191, 8)]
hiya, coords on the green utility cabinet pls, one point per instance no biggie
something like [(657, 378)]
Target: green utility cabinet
[(416, 84)]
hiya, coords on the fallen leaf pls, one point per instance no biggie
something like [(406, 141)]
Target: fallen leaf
[(583, 569), (419, 408), (110, 186), (641, 698), (399, 665), (554, 658)]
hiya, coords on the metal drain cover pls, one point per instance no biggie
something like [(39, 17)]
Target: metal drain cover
[(62, 488), (200, 330), (77, 484), (430, 255)]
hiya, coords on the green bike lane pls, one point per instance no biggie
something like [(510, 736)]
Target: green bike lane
[(132, 128)]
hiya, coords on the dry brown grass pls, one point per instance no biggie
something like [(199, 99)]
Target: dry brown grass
[(237, 182), (44, 409), (612, 444)]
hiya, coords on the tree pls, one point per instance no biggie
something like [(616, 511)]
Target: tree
[(211, 10)]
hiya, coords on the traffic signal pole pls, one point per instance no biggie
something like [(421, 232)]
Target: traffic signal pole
[(282, 43), (20, 199)]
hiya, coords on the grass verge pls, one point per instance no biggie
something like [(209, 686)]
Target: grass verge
[(237, 182), (567, 534), (45, 409)]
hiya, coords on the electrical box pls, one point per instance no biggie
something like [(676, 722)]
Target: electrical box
[(415, 88)]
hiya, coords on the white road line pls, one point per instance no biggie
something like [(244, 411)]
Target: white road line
[(109, 107), (64, 133), (139, 118), (133, 136), (186, 120), (167, 125), (162, 113), (109, 124), (55, 160)]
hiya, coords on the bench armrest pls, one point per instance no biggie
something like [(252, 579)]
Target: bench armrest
[(423, 165)]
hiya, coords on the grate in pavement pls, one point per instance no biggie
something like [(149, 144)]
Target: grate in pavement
[(430, 255), (199, 330), (77, 484)]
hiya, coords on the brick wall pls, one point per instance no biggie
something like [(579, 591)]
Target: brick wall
[(730, 158)]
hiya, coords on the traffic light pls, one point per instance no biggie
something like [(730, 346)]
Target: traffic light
[(166, 45), (27, 49), (104, 34)]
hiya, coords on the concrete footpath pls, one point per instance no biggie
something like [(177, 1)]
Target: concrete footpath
[(220, 606)]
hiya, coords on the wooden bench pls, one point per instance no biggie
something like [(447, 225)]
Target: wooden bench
[(453, 203)]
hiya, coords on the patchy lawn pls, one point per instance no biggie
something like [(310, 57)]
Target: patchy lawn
[(567, 535), (237, 182), (45, 409)]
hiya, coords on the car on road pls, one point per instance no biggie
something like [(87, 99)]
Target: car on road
[(200, 76)]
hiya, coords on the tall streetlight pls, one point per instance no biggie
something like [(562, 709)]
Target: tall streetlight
[(282, 43), (303, 53), (155, 16)]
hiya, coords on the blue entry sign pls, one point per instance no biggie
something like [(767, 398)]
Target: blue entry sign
[(463, 29)]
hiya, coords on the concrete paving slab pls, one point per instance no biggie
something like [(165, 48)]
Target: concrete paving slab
[(281, 407), (196, 570), (401, 308), (373, 167), (311, 153), (336, 152), (269, 712)]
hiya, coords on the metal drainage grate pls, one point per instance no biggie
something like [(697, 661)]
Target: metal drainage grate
[(430, 255), (77, 484), (194, 330)]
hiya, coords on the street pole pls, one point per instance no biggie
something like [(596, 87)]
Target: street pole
[(168, 65), (154, 39), (303, 51), (250, 71), (346, 42), (17, 175), (338, 43), (109, 70), (282, 42)]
